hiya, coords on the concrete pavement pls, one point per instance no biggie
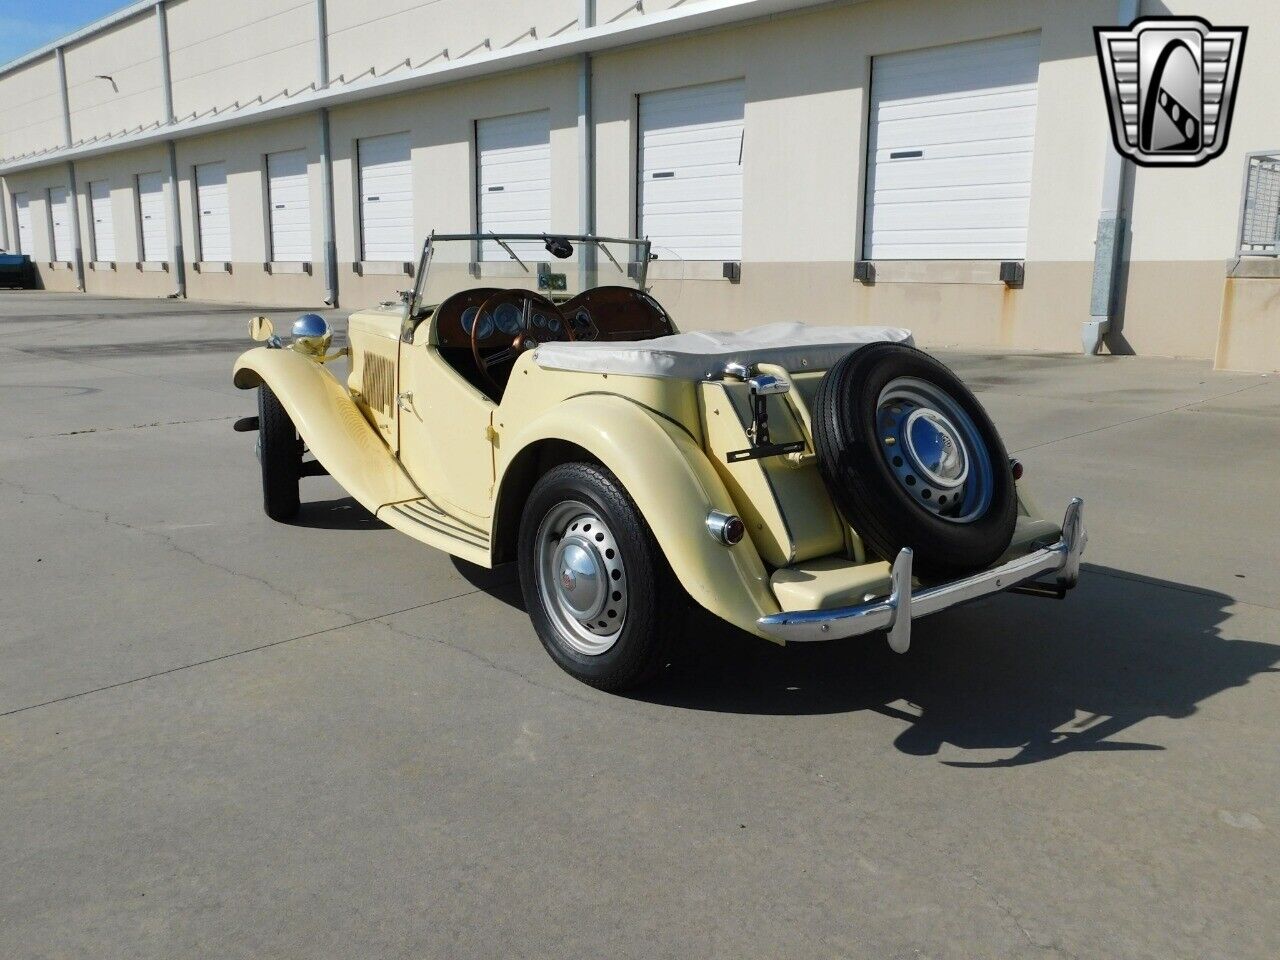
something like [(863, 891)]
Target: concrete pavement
[(225, 737)]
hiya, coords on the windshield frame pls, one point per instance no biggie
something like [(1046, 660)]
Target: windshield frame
[(590, 242)]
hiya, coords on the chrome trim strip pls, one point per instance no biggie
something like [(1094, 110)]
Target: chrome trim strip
[(424, 519), (895, 612), (426, 503), (444, 521)]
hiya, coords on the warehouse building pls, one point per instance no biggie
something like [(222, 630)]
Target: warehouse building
[(945, 166)]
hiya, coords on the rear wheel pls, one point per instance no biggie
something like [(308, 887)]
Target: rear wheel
[(594, 578), (280, 452)]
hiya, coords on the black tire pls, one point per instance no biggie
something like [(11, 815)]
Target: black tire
[(280, 451), (861, 480), (653, 598)]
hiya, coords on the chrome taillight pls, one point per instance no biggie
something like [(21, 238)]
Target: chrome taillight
[(726, 527)]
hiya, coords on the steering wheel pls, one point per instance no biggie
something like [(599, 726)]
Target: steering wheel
[(519, 318)]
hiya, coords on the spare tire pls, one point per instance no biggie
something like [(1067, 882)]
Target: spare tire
[(912, 460)]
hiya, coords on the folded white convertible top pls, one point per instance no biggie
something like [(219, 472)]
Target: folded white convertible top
[(795, 347)]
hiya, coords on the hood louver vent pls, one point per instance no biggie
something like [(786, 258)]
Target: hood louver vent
[(377, 382)]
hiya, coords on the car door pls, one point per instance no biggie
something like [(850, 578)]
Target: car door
[(445, 430)]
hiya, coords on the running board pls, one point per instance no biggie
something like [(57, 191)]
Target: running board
[(423, 520)]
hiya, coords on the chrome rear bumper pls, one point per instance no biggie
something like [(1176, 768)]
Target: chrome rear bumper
[(895, 612)]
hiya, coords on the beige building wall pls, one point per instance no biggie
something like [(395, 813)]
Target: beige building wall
[(362, 38), (1185, 222), (36, 184), (127, 275), (228, 51), (251, 278), (806, 78), (804, 171), (129, 54), (30, 108), (441, 124)]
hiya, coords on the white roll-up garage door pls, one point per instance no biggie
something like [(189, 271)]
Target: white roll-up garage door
[(513, 159), (155, 230), (949, 151), (22, 204), (213, 213), (690, 170), (60, 223), (104, 224), (386, 198), (289, 203)]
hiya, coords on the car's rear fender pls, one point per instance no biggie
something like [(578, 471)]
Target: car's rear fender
[(330, 424), (666, 473)]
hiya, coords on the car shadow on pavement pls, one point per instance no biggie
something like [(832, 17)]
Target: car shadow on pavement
[(1035, 678), (501, 582), (341, 514)]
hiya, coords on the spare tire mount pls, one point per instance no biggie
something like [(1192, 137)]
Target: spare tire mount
[(911, 459)]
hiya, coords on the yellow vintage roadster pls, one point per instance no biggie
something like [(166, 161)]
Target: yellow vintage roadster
[(531, 400)]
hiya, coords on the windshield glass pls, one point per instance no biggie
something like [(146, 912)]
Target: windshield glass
[(556, 266)]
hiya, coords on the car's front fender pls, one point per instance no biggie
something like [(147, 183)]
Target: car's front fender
[(673, 484), (330, 424)]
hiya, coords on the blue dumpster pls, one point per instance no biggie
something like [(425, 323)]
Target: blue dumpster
[(16, 271)]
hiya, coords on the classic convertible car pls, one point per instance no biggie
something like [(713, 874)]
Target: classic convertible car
[(531, 400)]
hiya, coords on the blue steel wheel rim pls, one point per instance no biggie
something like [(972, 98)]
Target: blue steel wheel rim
[(935, 450)]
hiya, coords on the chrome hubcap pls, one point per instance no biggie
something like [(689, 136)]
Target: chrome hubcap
[(581, 578), (934, 449)]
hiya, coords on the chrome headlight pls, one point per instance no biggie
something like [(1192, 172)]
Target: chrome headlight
[(311, 334)]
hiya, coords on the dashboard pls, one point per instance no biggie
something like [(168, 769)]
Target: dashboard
[(604, 313)]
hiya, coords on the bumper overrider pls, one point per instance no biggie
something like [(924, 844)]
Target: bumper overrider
[(895, 612)]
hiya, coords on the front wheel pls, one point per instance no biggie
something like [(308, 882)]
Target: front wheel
[(280, 452), (594, 579)]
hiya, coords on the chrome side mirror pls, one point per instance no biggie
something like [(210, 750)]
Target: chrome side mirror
[(260, 329)]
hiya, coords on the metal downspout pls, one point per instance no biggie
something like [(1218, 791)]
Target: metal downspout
[(75, 225), (326, 160), (73, 196), (1113, 222), (586, 155), (176, 254), (4, 216)]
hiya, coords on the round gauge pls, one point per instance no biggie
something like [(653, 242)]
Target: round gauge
[(553, 324), (539, 320), (507, 317), (468, 318), (582, 321), (484, 327)]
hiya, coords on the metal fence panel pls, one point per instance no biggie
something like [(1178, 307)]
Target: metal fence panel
[(1260, 211)]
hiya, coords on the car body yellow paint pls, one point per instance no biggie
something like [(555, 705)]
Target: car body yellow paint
[(419, 446)]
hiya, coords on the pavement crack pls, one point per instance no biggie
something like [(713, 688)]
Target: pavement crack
[(185, 385), (1148, 416), (176, 547), (228, 656), (136, 426), (485, 661), (1014, 918)]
